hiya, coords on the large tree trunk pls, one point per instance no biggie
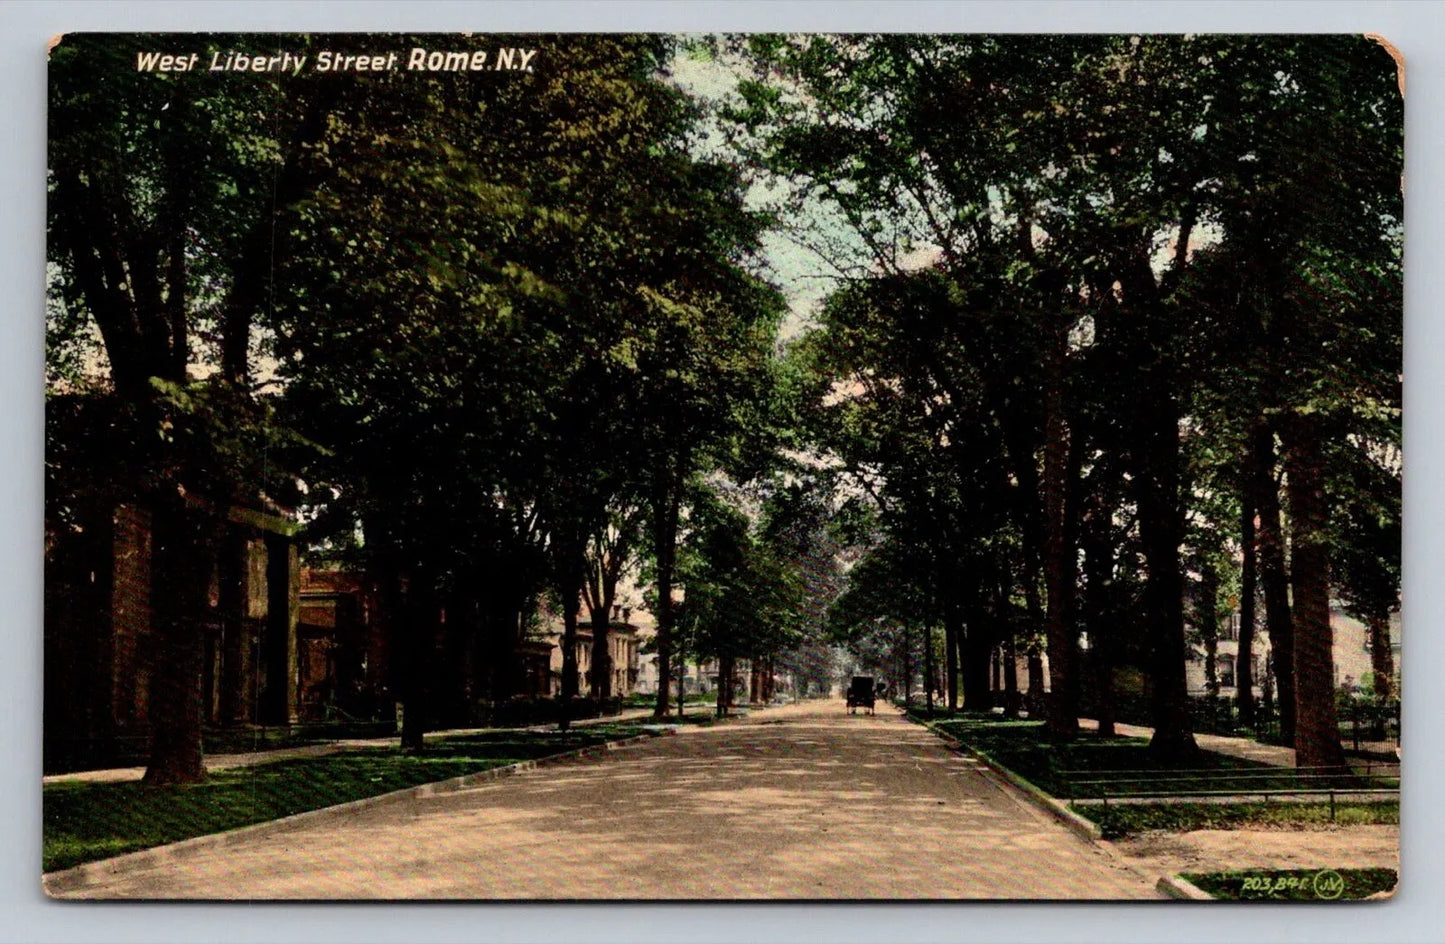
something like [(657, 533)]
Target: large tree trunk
[(929, 678), (1206, 613), (1141, 333), (1161, 531), (952, 630), (1275, 580), (1098, 574), (502, 621), (976, 663), (907, 667), (1003, 610), (1028, 514), (233, 572), (410, 629), (1011, 698), (279, 644), (601, 671), (1063, 712), (600, 586), (724, 684), (570, 681), (978, 647), (681, 673), (1244, 664), (664, 527), (1034, 696), (1382, 658), (572, 563), (417, 628), (1104, 680), (181, 568), (1317, 733)]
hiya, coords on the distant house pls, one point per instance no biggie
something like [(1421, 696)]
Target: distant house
[(623, 644), (1352, 656), (341, 647), (534, 668), (753, 680)]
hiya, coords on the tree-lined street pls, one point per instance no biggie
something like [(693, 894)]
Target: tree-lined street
[(797, 802), (1017, 379)]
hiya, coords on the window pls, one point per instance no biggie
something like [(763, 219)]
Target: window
[(1226, 671), (1230, 629)]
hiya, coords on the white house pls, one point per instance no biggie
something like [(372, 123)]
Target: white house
[(1352, 657)]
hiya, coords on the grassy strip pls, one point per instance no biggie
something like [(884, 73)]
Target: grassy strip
[(84, 821), (1295, 884), (702, 718), (247, 740), (64, 756), (650, 701), (1124, 820), (1058, 768), (1061, 767)]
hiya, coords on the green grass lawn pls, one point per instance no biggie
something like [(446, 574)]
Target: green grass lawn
[(1296, 884), (1071, 768), (1124, 820), (1083, 767), (692, 717), (84, 822), (636, 700)]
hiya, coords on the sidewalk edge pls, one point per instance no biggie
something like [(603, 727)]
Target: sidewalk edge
[(1176, 886), (1084, 828), (64, 883)]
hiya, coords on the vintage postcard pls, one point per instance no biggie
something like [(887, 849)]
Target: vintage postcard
[(731, 467)]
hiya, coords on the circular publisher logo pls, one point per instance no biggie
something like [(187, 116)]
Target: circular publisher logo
[(1328, 884)]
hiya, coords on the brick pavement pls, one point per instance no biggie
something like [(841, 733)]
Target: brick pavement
[(800, 802)]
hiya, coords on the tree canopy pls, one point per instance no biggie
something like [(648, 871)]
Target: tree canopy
[(1112, 339)]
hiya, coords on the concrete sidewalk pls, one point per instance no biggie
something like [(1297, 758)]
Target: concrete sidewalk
[(252, 758), (800, 802), (1221, 744)]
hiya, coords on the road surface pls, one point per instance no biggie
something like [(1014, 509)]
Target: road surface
[(798, 802)]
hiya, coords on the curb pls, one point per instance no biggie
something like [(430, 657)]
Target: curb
[(1176, 886), (57, 884), (1084, 828)]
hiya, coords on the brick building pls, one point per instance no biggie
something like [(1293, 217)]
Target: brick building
[(100, 648)]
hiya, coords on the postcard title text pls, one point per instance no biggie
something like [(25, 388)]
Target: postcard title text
[(415, 59)]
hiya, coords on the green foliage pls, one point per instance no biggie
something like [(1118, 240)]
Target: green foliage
[(1213, 224), (743, 597), (482, 318)]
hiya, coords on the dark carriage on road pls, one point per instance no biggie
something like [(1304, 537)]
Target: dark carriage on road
[(860, 694)]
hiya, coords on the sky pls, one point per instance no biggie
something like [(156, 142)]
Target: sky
[(803, 274), (804, 277)]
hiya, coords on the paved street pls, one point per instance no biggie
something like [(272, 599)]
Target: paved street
[(803, 801)]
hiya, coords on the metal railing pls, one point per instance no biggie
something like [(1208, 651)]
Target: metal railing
[(1269, 785)]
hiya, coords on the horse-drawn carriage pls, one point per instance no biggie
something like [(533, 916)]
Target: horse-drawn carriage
[(861, 694)]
